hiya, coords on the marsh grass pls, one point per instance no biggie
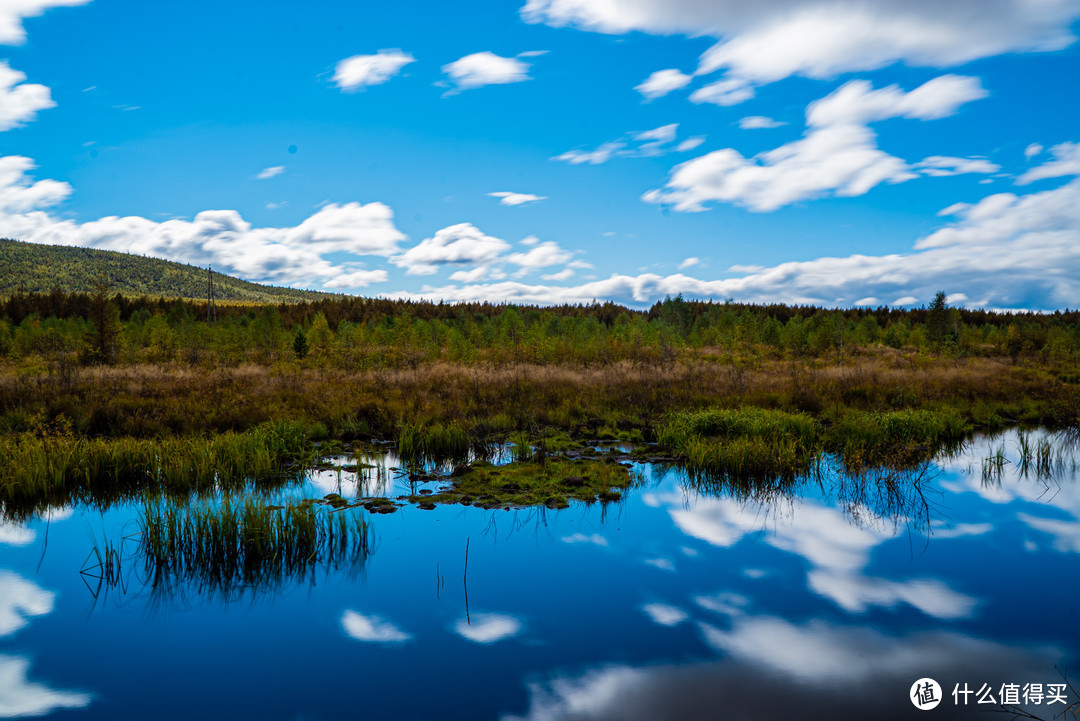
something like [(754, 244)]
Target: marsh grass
[(37, 471), (232, 546), (752, 443), (553, 482), (895, 438)]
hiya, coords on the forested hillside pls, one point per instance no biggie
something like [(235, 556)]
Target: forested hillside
[(29, 267)]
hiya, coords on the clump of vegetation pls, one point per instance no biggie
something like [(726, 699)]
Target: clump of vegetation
[(552, 482), (744, 443), (895, 437), (53, 467)]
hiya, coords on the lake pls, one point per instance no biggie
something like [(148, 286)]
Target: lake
[(829, 598)]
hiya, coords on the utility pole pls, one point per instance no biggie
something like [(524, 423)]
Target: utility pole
[(211, 309)]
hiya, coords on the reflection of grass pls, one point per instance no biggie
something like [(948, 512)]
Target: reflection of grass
[(230, 546), (553, 482), (51, 469)]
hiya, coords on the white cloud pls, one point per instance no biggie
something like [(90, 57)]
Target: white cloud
[(488, 627), (455, 244), (541, 255), (663, 82), (19, 101), (563, 274), (729, 604), (485, 68), (941, 166), (841, 161), (769, 40), (360, 71), (1066, 162), (1032, 150), (665, 615), (12, 13), (664, 564), (729, 91), (218, 237), (754, 122), (271, 172), (372, 628), (602, 154), (690, 143), (838, 154), (513, 199), (19, 194), (649, 143), (689, 263), (357, 279), (856, 102)]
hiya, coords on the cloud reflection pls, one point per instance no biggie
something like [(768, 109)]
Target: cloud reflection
[(776, 669), (372, 628), (488, 627), (837, 549)]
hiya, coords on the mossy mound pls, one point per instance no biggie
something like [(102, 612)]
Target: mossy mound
[(554, 482)]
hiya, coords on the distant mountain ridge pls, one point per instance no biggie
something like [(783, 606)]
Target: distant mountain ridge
[(30, 267)]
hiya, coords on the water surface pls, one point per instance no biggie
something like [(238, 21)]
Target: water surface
[(682, 601)]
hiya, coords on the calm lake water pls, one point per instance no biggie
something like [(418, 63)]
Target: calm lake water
[(830, 601)]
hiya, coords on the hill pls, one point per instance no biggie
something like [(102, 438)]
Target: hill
[(29, 267)]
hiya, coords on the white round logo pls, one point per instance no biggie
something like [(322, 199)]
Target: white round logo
[(925, 694)]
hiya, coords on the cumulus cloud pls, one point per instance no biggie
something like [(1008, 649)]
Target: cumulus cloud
[(16, 534), (360, 71), (513, 199), (941, 166), (357, 279), (856, 102), (598, 156), (766, 41), (729, 91), (689, 263), (459, 244), (1006, 251), (13, 12), (594, 538), (662, 82), (541, 255), (372, 628), (218, 237), (271, 172), (837, 155), (485, 628), (19, 101), (485, 68), (636, 144), (1032, 150), (1066, 162), (755, 122)]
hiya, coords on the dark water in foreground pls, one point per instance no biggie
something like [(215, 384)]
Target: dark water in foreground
[(671, 604)]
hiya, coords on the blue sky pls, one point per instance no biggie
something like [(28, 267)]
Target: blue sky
[(841, 153)]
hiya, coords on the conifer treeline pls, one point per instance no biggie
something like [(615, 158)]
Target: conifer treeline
[(355, 332)]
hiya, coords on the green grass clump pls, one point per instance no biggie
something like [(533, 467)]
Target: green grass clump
[(894, 437), (435, 443), (230, 545), (553, 482), (51, 469), (743, 443)]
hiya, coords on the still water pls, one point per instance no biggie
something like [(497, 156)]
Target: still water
[(681, 601)]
